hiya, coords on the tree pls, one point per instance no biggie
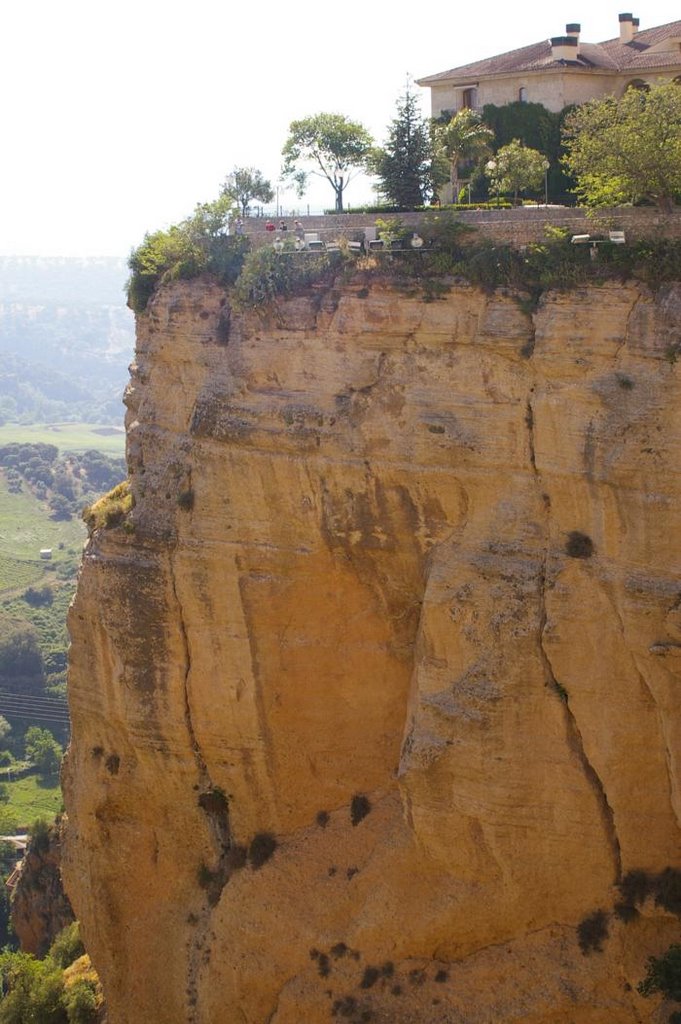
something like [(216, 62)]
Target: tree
[(628, 149), (337, 147), (244, 184), (43, 750), (20, 656), (537, 127), (463, 140), (404, 165), (516, 168)]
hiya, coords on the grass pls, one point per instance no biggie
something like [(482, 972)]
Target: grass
[(26, 527), (111, 509), (68, 437), (31, 798), (17, 573)]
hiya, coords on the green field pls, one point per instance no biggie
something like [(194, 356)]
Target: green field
[(25, 528), (68, 437), (17, 573), (31, 798)]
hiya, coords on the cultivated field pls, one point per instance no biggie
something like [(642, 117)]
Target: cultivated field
[(25, 528), (68, 437)]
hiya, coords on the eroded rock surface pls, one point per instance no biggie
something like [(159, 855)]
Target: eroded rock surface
[(375, 694)]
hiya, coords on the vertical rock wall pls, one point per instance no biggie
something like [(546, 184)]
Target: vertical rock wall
[(374, 693)]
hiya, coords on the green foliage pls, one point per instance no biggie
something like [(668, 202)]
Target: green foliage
[(42, 750), (34, 990), (20, 656), (31, 799), (244, 184), (335, 148), (42, 991), (8, 821), (111, 509), (268, 274), (67, 481), (459, 144), (536, 127), (37, 596), (67, 945), (663, 974), (516, 168), (195, 246), (627, 149), (80, 1002), (392, 230), (385, 208), (404, 165)]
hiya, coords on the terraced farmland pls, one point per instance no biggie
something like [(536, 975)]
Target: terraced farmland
[(18, 573)]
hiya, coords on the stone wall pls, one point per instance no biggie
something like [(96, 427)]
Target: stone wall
[(519, 226)]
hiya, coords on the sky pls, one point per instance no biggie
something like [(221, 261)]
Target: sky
[(119, 117)]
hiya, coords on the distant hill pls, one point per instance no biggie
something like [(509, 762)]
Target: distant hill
[(66, 339)]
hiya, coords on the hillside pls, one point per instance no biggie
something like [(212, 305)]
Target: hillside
[(42, 493), (66, 338)]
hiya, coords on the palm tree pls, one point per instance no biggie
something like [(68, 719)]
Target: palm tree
[(466, 138)]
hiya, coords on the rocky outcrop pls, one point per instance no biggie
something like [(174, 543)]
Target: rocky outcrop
[(375, 691), (40, 907)]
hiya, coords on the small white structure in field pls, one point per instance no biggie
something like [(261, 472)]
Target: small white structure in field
[(46, 553)]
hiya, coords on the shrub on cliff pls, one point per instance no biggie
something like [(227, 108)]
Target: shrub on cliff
[(267, 274), (195, 246), (110, 510)]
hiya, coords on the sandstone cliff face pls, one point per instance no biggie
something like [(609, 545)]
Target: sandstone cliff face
[(400, 590)]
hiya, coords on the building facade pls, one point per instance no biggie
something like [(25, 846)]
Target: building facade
[(563, 70)]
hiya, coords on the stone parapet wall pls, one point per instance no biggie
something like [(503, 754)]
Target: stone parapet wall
[(517, 227)]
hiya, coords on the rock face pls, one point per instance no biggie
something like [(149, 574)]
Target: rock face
[(375, 694), (40, 907)]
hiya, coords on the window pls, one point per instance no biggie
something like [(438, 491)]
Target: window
[(637, 83), (522, 94), (469, 99)]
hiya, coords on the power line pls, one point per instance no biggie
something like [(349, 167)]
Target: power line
[(46, 709), (36, 699)]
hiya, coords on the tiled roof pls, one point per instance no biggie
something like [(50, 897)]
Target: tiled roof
[(611, 55)]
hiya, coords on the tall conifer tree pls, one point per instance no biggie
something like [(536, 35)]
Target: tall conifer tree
[(404, 165)]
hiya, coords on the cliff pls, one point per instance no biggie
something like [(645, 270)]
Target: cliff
[(40, 907), (375, 691)]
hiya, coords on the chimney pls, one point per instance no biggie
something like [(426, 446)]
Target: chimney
[(635, 22), (564, 48), (626, 28), (573, 31)]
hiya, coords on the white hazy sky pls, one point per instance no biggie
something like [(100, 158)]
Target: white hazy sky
[(119, 116)]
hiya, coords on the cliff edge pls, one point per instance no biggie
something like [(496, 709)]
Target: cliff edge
[(375, 690)]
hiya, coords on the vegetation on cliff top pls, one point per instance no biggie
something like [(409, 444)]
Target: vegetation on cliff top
[(451, 249), (627, 149), (197, 245)]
